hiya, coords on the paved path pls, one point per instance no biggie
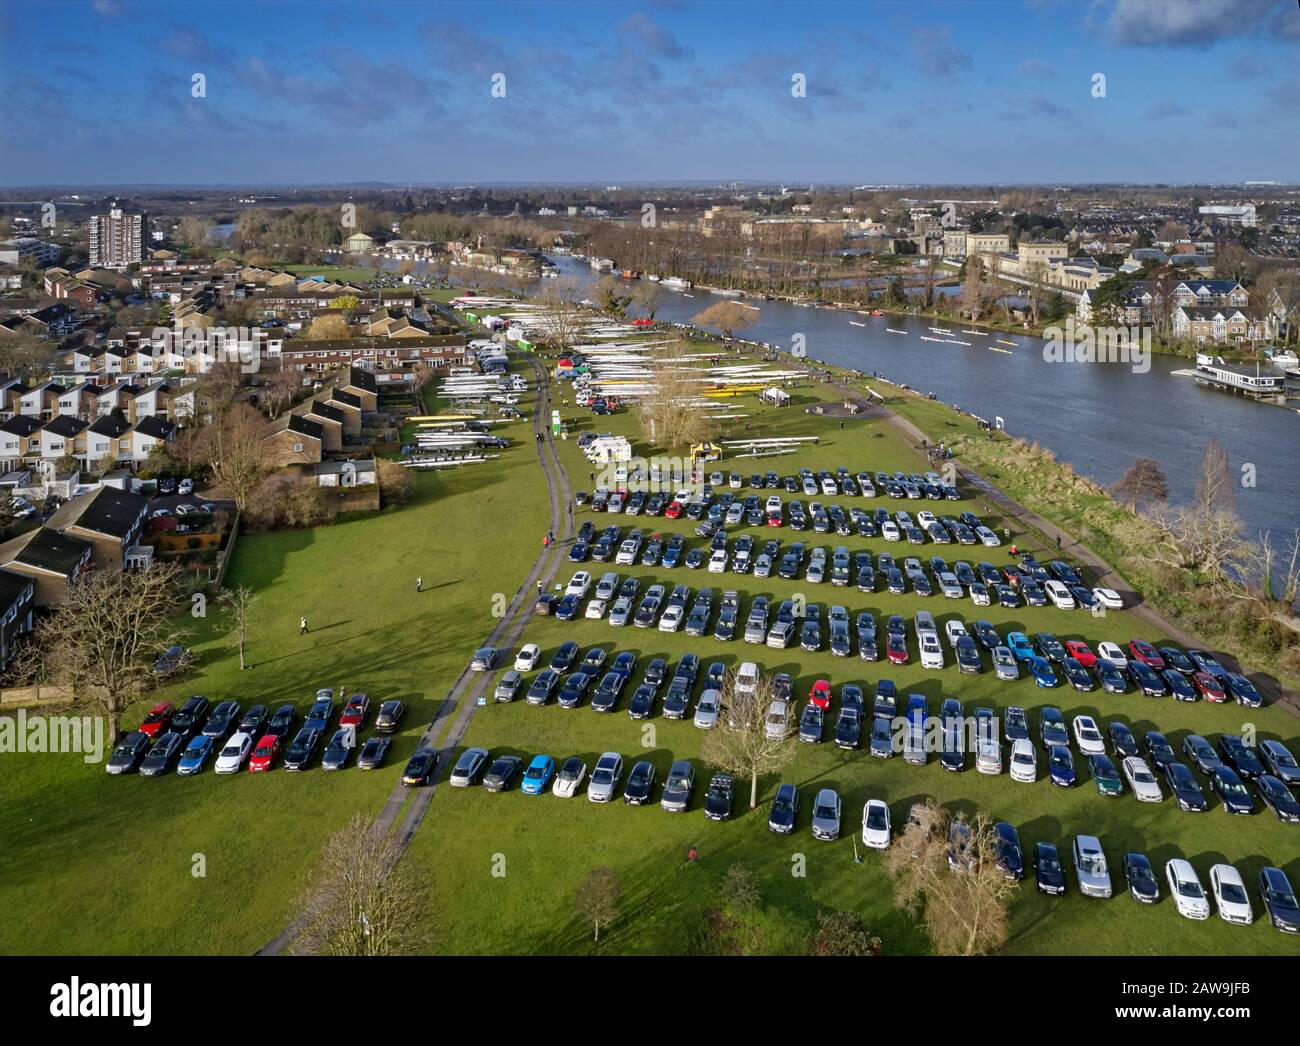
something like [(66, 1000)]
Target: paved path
[(1106, 575), (462, 697)]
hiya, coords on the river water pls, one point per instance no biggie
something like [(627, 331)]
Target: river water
[(1098, 417)]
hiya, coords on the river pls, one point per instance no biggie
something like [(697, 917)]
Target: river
[(1098, 417)]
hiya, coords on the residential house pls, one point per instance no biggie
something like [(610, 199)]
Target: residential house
[(349, 473), (52, 560), (19, 439), (17, 599), (293, 440), (110, 520), (147, 434)]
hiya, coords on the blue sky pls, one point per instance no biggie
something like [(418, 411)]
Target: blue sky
[(967, 91)]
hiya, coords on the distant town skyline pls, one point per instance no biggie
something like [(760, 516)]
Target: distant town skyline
[(122, 92)]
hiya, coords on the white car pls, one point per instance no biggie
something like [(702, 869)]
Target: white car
[(1087, 736), (1108, 598), (1188, 893), (889, 530), (773, 505), (1230, 895), (925, 518), (931, 651), (1113, 653), (185, 487), (718, 561), (1143, 782), (747, 678), (707, 709), (1024, 761), (875, 825), (777, 723), (988, 755), (954, 629), (579, 585), (596, 609), (1059, 595), (979, 595), (627, 551), (607, 587), (527, 658), (231, 759), (569, 778), (672, 618)]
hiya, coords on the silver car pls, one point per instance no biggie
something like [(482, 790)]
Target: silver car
[(1090, 866), (707, 709), (678, 786), (468, 767), (602, 786), (826, 815), (1004, 663)]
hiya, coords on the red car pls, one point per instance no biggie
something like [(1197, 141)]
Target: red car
[(263, 757), (896, 650), (358, 707), (775, 519), (673, 510), (1209, 687), (1080, 652), (158, 719), (820, 694), (1147, 654)]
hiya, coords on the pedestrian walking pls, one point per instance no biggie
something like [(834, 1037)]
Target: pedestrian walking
[(550, 536), (539, 586), (570, 509), (302, 626), (1058, 540), (419, 584), (692, 855)]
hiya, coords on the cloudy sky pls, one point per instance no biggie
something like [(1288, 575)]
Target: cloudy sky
[(968, 91)]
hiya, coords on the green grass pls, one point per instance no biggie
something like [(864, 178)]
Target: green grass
[(548, 845), (95, 864)]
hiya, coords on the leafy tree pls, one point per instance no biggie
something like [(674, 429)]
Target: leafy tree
[(842, 933)]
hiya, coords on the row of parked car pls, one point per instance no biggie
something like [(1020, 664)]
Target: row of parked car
[(188, 738), (1186, 675)]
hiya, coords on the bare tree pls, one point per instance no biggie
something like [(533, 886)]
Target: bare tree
[(1143, 483), (973, 293), (363, 898), (964, 909), (279, 390), (232, 448), (729, 317), (102, 641), (597, 898), (670, 413), (1206, 534), (239, 602), (647, 297), (331, 327), (741, 743), (563, 317)]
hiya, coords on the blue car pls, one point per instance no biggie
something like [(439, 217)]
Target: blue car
[(1021, 648), (196, 755), (537, 777), (1060, 766), (578, 554), (1041, 669)]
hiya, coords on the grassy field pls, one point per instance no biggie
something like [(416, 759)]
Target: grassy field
[(95, 864), (114, 857), (546, 845)]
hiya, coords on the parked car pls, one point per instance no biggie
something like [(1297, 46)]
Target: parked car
[(372, 754), (1049, 875), (1143, 886), (678, 786), (420, 767), (299, 752), (1279, 900), (717, 800), (875, 825), (1186, 791), (128, 753), (1280, 762), (196, 755), (826, 815), (1090, 867), (1145, 786), (785, 808), (335, 756), (469, 768), (1186, 889), (569, 778), (640, 783), (605, 778), (537, 778), (1230, 897), (501, 774), (1024, 761), (189, 717)]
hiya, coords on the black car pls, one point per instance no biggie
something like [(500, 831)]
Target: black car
[(1279, 900), (420, 767), (1187, 791), (885, 705), (642, 705), (1122, 740), (848, 728), (222, 721), (640, 783), (1113, 681), (968, 654), (1009, 856), (389, 719), (189, 717), (300, 750), (867, 649), (1240, 756), (717, 801), (1158, 749), (543, 686), (373, 753), (163, 755), (253, 720), (1179, 686), (564, 656), (1231, 791), (678, 698), (131, 749), (785, 808), (1049, 875), (1147, 679), (1142, 883), (282, 721), (607, 693), (501, 773), (574, 688), (1278, 798), (1080, 678)]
